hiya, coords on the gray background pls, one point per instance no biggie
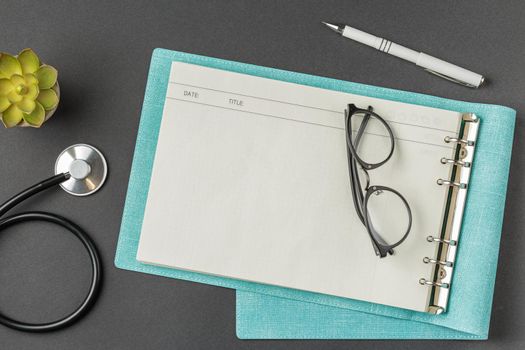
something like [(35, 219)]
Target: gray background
[(102, 51)]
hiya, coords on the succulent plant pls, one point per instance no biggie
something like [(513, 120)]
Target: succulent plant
[(29, 91)]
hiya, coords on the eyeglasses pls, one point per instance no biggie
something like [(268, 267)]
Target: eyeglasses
[(383, 211)]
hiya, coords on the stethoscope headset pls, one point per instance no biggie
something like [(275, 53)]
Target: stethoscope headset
[(80, 170)]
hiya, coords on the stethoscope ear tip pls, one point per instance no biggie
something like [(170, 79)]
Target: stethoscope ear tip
[(86, 166)]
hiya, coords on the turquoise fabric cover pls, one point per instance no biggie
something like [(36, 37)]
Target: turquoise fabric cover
[(265, 311)]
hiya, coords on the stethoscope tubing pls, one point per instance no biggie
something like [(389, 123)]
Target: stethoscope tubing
[(86, 241)]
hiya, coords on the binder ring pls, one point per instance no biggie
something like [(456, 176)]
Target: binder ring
[(439, 240), (455, 162), (427, 260), (425, 282), (442, 182), (449, 139)]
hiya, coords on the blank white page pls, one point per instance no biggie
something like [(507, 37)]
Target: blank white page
[(250, 181)]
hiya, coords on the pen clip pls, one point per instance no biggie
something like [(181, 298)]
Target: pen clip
[(454, 80)]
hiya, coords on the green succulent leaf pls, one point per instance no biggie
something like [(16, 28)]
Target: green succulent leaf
[(32, 92), (36, 118), (48, 99), (27, 105), (6, 86), (4, 103), (9, 65), (47, 77), (12, 116), (14, 97), (29, 61), (17, 80), (30, 79)]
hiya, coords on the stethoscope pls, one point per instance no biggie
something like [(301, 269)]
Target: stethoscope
[(80, 170)]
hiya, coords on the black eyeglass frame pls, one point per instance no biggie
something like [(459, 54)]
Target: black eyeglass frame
[(361, 199)]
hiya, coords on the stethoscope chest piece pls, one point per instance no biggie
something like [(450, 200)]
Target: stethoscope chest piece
[(86, 166)]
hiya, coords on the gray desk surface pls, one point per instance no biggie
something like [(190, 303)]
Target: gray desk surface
[(102, 50)]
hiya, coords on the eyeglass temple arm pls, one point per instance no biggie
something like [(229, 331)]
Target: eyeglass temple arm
[(362, 127), (357, 194), (358, 198)]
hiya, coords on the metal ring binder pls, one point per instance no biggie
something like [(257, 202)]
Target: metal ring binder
[(455, 162), (447, 241), (432, 283), (449, 139), (451, 183), (440, 240), (427, 260)]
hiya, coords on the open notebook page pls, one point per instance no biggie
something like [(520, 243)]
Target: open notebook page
[(250, 181)]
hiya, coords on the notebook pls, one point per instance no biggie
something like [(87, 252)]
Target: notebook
[(250, 181), (146, 147)]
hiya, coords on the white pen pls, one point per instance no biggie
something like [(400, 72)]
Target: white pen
[(431, 64)]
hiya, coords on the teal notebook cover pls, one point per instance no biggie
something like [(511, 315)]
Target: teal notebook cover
[(265, 311)]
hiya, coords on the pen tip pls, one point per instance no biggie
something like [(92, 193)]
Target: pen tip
[(336, 28)]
